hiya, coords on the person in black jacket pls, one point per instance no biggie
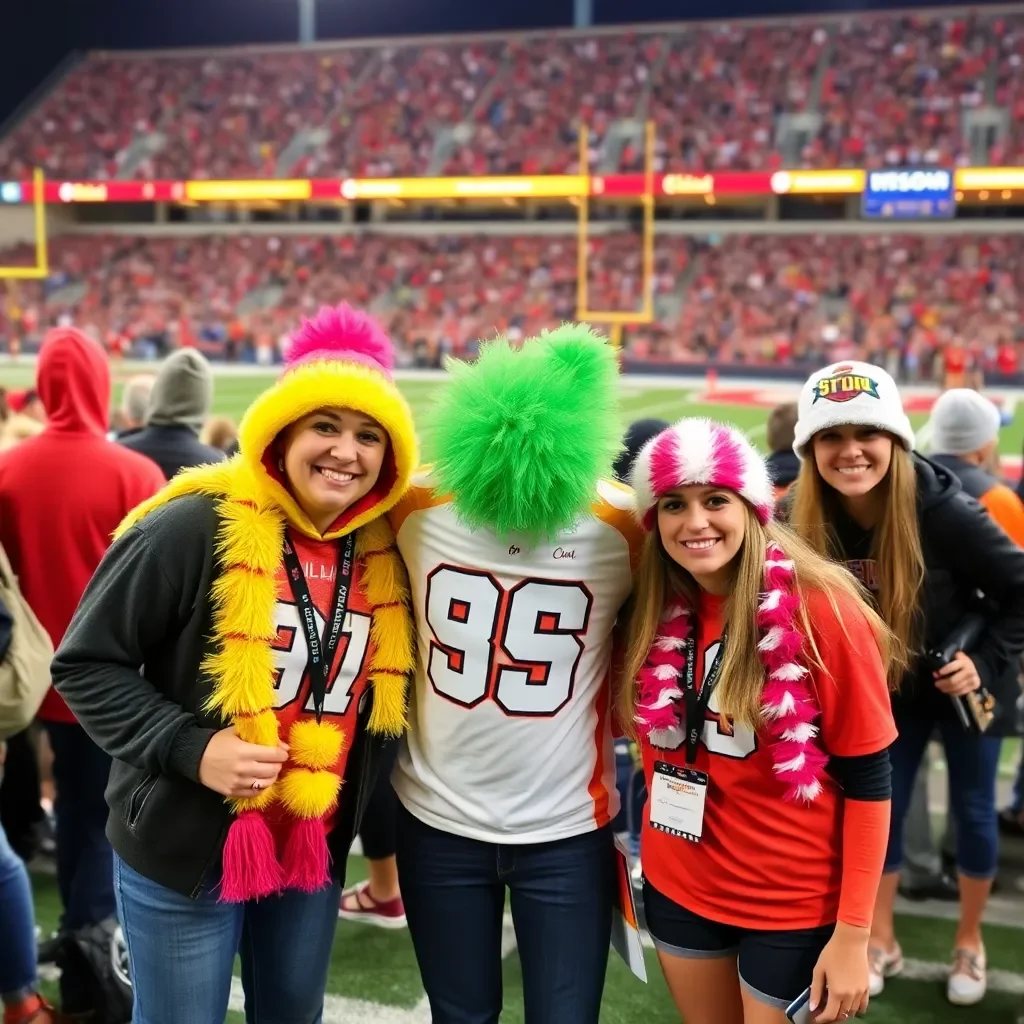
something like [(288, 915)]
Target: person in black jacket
[(924, 549), (243, 649), (179, 403)]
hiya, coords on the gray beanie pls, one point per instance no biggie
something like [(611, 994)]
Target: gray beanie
[(182, 394), (962, 421)]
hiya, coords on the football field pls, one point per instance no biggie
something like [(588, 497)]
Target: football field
[(373, 977)]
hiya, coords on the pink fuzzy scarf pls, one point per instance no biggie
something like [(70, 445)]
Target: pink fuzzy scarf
[(789, 706)]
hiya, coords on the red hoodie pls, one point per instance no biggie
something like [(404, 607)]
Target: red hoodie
[(64, 492)]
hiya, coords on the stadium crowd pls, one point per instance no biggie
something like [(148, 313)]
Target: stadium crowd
[(760, 300), (889, 88)]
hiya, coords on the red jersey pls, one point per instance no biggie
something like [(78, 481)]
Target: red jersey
[(764, 862), (347, 681)]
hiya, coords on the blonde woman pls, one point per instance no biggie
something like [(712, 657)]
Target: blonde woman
[(923, 549), (756, 678)]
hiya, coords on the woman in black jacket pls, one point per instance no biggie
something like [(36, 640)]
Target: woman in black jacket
[(924, 550), (241, 653)]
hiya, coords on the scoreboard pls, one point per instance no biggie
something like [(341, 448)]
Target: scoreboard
[(909, 193)]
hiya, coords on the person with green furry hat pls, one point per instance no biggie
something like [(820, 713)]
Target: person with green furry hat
[(520, 557)]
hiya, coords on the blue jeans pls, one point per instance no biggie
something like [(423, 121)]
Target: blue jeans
[(181, 952), (453, 889), (972, 762), (84, 857), (17, 927)]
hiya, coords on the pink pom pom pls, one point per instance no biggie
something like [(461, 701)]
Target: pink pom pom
[(798, 710), (657, 718), (678, 628), (342, 333), (307, 860), (785, 649), (781, 614), (250, 867), (777, 577)]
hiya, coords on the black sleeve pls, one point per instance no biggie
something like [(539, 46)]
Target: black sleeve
[(980, 556), (868, 777), (132, 601)]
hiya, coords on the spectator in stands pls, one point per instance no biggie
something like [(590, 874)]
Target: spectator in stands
[(27, 403), (178, 406), (220, 432), (965, 433), (134, 404), (15, 425), (783, 465), (906, 530), (62, 495)]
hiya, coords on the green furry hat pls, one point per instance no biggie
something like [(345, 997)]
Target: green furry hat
[(519, 438)]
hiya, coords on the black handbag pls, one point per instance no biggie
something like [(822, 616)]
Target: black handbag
[(975, 710), (95, 978)]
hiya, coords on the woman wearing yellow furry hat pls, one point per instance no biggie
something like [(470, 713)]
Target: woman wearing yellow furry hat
[(241, 653)]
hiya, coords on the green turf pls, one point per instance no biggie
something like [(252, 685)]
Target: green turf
[(379, 967)]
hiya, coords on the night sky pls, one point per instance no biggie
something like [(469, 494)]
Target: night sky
[(35, 35)]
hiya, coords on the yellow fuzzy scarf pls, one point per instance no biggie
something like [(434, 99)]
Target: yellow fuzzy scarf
[(249, 546)]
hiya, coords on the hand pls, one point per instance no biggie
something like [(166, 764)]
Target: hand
[(841, 975), (230, 766), (958, 677)]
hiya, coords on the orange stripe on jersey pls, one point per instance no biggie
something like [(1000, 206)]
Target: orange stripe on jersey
[(615, 505), (418, 497), (597, 789)]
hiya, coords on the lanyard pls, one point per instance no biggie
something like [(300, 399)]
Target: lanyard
[(321, 651), (697, 706)]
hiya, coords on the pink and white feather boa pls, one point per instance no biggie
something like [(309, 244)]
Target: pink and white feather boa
[(789, 706)]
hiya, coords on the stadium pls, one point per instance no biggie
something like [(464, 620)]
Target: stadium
[(734, 203)]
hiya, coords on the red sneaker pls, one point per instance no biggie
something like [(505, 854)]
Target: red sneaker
[(358, 905), (33, 1010)]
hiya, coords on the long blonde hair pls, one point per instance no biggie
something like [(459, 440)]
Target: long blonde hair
[(895, 545), (741, 681)]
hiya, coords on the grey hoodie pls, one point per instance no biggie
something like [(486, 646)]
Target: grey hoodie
[(182, 394)]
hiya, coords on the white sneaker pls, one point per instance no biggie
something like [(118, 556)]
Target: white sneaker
[(882, 964), (967, 983)]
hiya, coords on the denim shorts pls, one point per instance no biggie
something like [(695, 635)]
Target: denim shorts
[(774, 966)]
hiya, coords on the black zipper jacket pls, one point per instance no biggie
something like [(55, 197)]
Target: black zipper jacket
[(129, 666), (964, 552)]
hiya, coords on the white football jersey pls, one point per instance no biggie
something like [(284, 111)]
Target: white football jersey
[(510, 737)]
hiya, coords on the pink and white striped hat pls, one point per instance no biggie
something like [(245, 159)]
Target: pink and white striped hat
[(699, 451)]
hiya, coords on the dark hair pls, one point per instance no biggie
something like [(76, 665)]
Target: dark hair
[(781, 430), (5, 409), (638, 434)]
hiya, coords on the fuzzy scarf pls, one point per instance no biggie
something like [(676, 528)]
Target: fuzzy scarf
[(240, 667), (789, 706), (520, 437)]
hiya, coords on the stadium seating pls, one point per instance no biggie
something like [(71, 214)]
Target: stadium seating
[(877, 89), (752, 299)]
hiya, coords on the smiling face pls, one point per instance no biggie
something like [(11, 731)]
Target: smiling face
[(702, 530), (853, 459), (332, 458)]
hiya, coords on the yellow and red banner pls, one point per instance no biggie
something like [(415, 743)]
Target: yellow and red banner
[(671, 185)]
